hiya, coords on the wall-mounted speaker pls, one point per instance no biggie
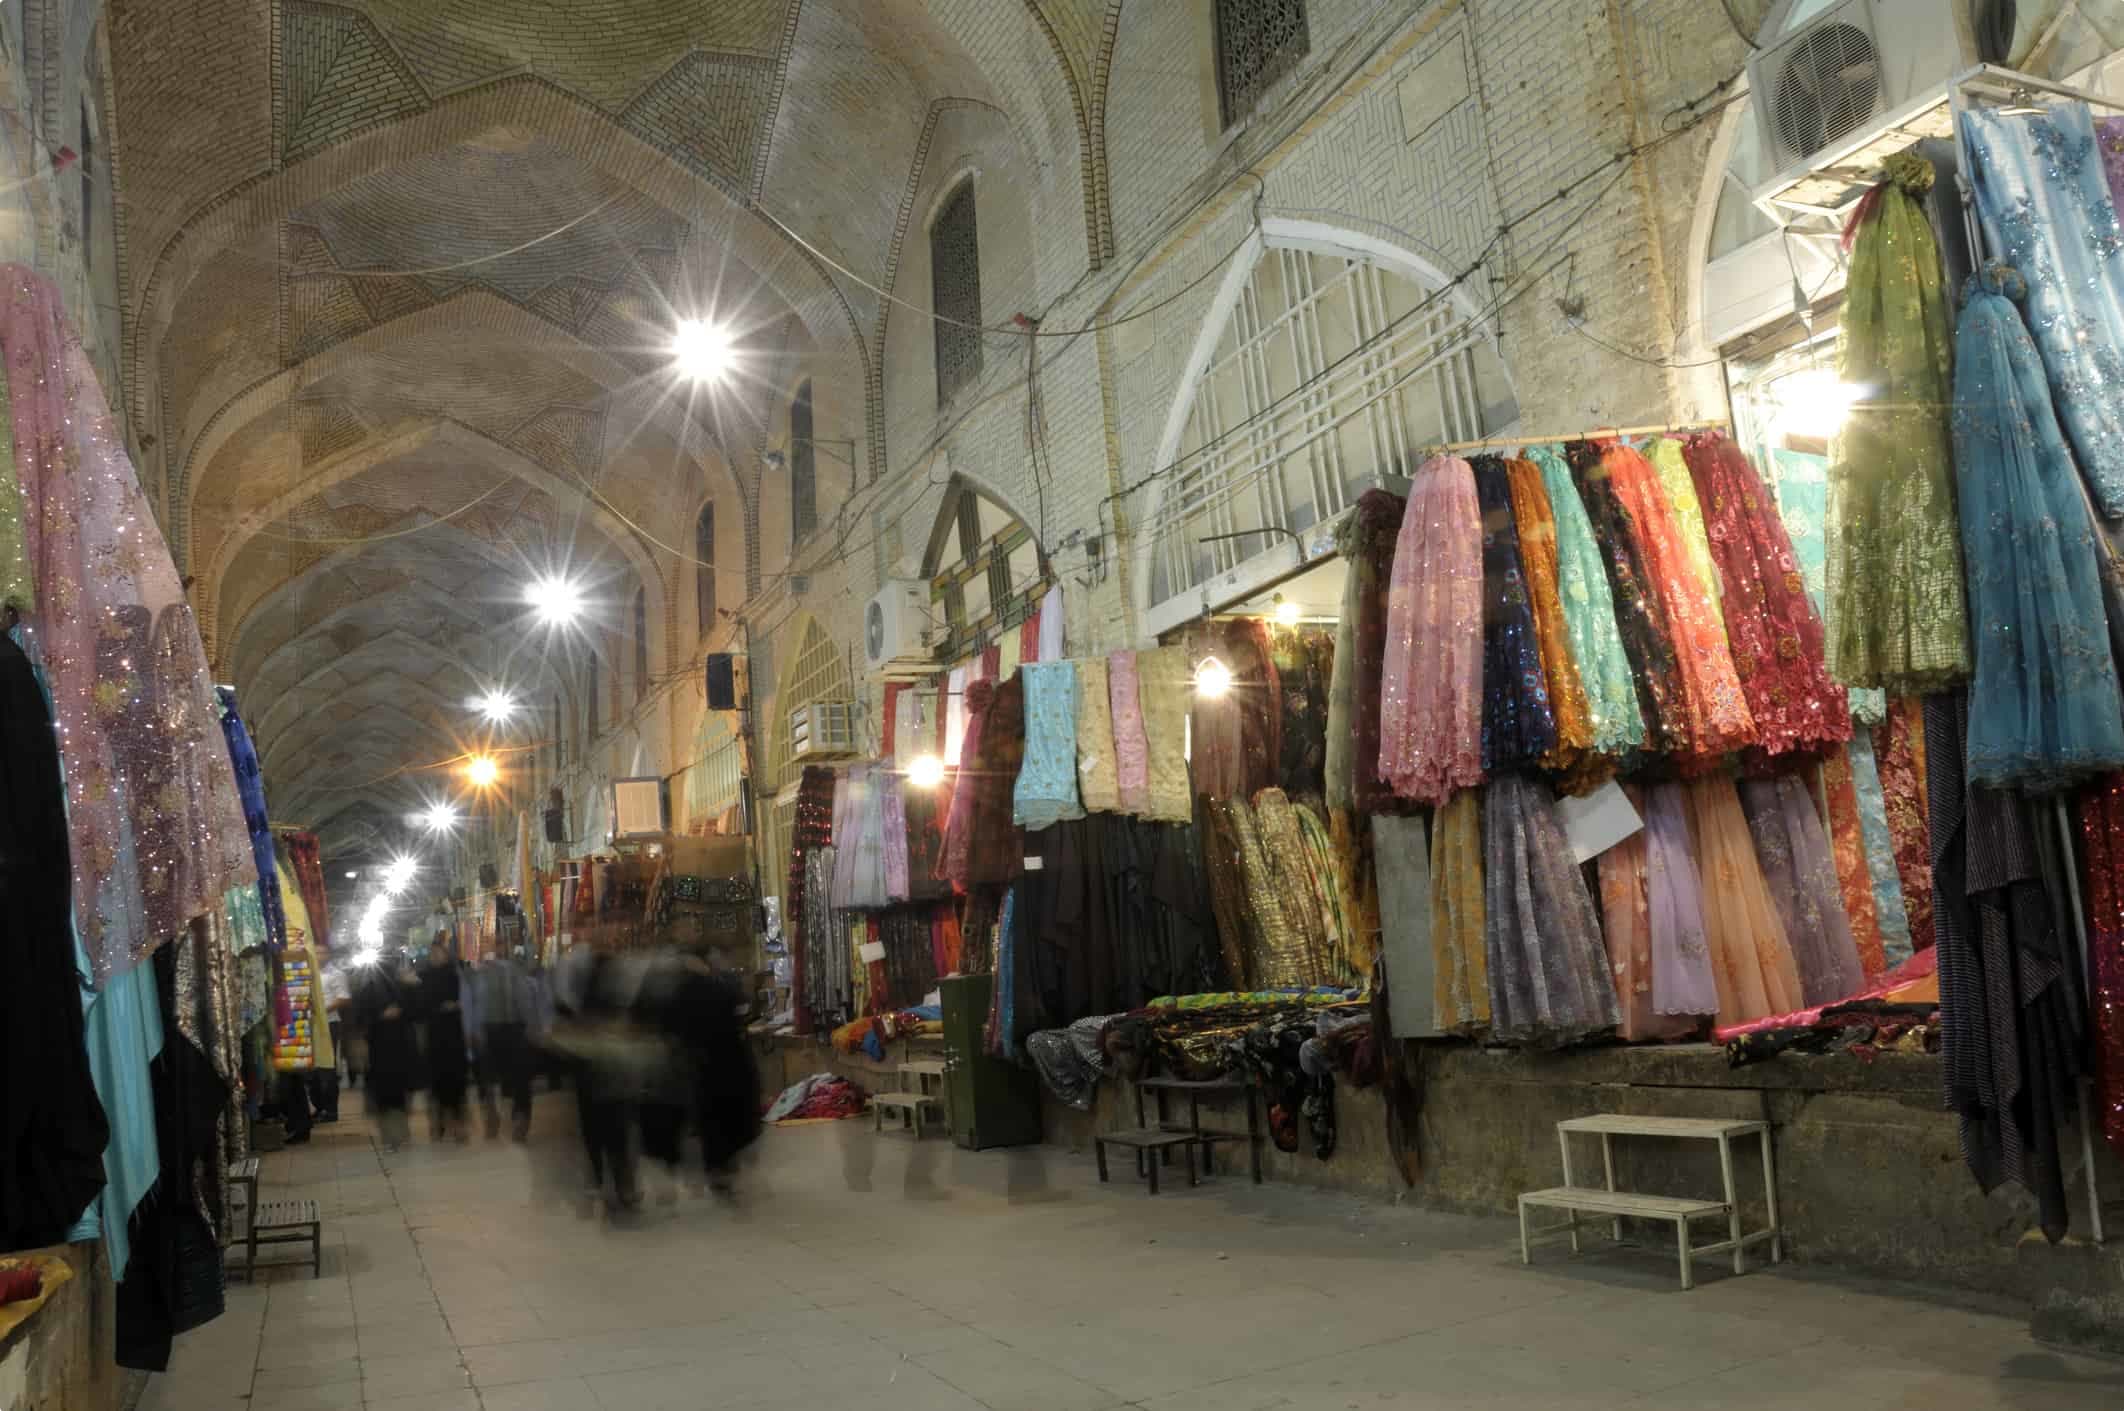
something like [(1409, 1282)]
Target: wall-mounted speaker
[(489, 876), (722, 681)]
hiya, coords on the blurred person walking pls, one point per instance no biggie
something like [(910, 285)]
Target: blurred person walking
[(504, 1003), (384, 1002), (441, 1004)]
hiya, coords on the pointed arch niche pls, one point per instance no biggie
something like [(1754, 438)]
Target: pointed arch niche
[(984, 569), (813, 672), (1327, 363)]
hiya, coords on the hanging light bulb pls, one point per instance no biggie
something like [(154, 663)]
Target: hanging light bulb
[(1287, 611), (496, 705), (482, 771), (556, 598), (439, 818), (925, 772), (1212, 678)]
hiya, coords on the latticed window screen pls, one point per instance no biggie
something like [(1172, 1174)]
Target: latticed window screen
[(803, 468), (641, 644), (1258, 42), (988, 575), (1331, 372), (704, 567), (955, 292)]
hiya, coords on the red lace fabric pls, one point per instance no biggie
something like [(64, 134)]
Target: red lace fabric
[(1430, 699), (1718, 720), (1772, 629), (1902, 760), (2102, 834)]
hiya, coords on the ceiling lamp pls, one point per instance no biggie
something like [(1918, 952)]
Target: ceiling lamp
[(496, 706), (482, 770), (1213, 678), (925, 772), (556, 598), (439, 818), (703, 351), (1287, 611), (399, 875)]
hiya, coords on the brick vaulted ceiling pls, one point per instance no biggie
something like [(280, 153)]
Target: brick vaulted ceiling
[(395, 276)]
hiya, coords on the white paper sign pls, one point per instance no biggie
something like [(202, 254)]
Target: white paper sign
[(1598, 821), (871, 951)]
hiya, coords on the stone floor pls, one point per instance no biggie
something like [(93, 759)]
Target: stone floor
[(864, 1271)]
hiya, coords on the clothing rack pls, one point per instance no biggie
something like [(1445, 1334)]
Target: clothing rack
[(1587, 433)]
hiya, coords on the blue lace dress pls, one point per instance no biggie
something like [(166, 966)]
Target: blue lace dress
[(2044, 708), (2046, 211)]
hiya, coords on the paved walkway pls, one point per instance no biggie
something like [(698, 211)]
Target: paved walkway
[(864, 1272)]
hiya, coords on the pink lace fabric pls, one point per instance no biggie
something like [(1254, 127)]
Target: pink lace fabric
[(1131, 747), (1430, 704), (156, 831)]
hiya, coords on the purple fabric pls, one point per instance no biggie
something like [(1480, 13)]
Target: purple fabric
[(1793, 848), (895, 835), (1682, 980)]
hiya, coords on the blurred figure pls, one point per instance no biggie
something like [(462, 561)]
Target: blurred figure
[(442, 1016), (594, 994), (709, 1076), (383, 1002), (324, 1082), (503, 1006)]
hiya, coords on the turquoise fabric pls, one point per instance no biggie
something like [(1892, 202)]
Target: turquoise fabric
[(124, 1036), (1589, 614), (2043, 705), (1046, 790), (1801, 484)]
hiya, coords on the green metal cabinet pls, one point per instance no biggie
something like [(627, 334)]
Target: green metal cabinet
[(993, 1103)]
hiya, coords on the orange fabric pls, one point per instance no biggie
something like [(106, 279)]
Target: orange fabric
[(1572, 759), (1847, 841)]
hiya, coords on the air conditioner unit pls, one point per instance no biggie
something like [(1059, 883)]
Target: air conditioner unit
[(823, 730), (639, 807), (1861, 67), (895, 630)]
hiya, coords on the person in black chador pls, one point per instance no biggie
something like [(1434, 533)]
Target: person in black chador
[(442, 1015), (698, 1011), (384, 1000)]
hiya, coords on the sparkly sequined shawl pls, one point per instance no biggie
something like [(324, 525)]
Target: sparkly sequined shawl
[(157, 833)]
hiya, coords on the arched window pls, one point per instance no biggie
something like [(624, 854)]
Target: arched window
[(590, 715), (560, 742), (641, 644), (803, 468), (1258, 42), (704, 567), (984, 569), (955, 292)]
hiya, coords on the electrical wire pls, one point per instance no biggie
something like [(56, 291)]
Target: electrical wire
[(440, 519), (535, 240)]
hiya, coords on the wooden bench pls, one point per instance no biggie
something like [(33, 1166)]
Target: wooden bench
[(1578, 1200), (1195, 1090), (1149, 1144), (285, 1222)]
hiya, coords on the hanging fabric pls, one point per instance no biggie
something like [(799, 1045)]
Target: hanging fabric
[(1045, 791), (1131, 744), (1800, 485), (1847, 846), (1772, 626), (2101, 815), (1518, 724), (1571, 757), (1163, 690), (250, 792), (2044, 202), (18, 580), (1098, 782), (2045, 710), (1304, 659), (1459, 947), (1684, 974), (1366, 540), (1751, 957), (1616, 722), (1430, 705), (1550, 982), (1640, 618), (1905, 804), (1794, 853), (1896, 617), (1685, 502), (157, 831)]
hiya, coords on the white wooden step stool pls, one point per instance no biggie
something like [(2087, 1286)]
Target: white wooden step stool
[(1606, 1200)]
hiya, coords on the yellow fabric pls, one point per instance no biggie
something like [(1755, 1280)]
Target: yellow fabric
[(1164, 692), (1461, 988), (1666, 457)]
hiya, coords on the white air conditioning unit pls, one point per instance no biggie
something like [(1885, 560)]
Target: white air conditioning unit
[(638, 807), (1860, 67), (822, 730), (896, 629)]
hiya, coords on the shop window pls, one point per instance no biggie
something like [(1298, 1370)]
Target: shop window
[(1329, 374), (984, 570), (641, 644), (955, 292), (1258, 42), (803, 469), (704, 567)]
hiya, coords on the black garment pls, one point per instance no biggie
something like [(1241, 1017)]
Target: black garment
[(52, 1127), (2010, 1013), (291, 1098), (394, 1054), (324, 1082), (440, 1003), (174, 1282), (714, 1079)]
